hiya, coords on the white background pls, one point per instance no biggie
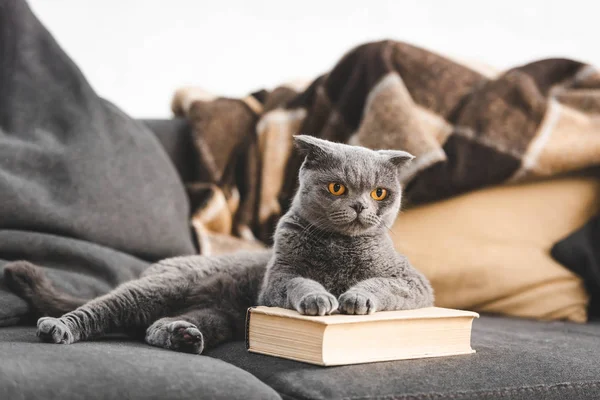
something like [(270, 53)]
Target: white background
[(137, 52)]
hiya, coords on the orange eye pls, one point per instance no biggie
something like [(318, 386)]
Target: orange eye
[(336, 189), (379, 194)]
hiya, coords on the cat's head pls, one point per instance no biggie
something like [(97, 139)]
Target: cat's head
[(347, 189)]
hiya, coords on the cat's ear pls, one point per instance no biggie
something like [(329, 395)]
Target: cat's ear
[(398, 158), (313, 147)]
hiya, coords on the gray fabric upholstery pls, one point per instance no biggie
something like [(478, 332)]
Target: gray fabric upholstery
[(175, 136), (113, 369), (516, 359)]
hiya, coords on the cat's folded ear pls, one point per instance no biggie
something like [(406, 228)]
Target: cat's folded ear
[(313, 147), (397, 157)]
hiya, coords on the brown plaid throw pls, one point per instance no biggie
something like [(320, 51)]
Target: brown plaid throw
[(467, 130)]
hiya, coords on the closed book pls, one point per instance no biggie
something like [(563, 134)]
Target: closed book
[(340, 339)]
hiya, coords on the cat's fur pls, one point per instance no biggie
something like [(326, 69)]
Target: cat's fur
[(330, 253)]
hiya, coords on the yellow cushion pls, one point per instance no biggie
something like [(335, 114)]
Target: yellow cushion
[(489, 250)]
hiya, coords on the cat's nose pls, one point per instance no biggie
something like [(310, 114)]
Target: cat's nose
[(358, 207)]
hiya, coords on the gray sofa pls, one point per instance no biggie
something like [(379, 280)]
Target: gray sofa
[(89, 194), (515, 359)]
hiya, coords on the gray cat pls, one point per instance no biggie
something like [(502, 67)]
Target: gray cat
[(331, 252)]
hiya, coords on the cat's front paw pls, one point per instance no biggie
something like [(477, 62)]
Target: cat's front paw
[(176, 335), (53, 330), (319, 303), (357, 302)]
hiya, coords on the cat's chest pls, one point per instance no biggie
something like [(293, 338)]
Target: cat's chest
[(338, 265)]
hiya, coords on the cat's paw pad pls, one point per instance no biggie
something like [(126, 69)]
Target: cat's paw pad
[(53, 330), (181, 336), (317, 304), (356, 302), (187, 339)]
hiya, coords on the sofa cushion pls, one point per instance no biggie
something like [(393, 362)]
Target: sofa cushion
[(516, 359), (489, 250), (115, 369)]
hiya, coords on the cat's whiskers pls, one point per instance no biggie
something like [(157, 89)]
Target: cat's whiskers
[(387, 227), (312, 227), (340, 216), (321, 235), (315, 229), (318, 238)]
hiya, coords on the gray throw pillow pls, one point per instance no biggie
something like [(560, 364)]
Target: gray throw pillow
[(85, 190)]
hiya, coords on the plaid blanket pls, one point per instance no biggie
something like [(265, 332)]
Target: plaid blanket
[(468, 128)]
